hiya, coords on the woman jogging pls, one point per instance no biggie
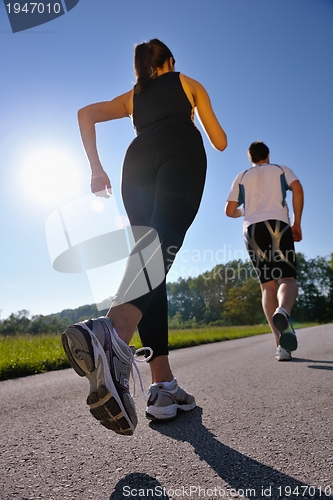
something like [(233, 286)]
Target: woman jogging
[(163, 178)]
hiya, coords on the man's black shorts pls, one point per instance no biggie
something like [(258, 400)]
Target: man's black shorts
[(270, 245)]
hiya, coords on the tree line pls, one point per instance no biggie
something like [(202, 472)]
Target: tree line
[(229, 294), (20, 323)]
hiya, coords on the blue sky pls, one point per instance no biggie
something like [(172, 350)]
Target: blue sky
[(268, 67)]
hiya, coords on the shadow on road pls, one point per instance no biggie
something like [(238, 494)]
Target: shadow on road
[(318, 367), (138, 485), (322, 366), (305, 360), (239, 471)]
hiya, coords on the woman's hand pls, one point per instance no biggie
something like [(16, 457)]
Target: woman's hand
[(100, 183)]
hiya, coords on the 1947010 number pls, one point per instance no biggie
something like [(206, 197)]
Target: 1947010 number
[(34, 7), (301, 491)]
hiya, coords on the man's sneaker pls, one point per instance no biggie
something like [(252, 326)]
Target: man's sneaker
[(282, 322), (95, 351), (282, 355), (163, 404)]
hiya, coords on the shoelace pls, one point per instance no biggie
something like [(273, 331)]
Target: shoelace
[(135, 360)]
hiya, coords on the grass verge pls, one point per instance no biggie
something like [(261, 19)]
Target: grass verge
[(27, 355)]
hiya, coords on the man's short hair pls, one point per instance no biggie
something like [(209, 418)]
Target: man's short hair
[(258, 151)]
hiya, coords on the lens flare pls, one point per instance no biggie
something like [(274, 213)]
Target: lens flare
[(50, 176)]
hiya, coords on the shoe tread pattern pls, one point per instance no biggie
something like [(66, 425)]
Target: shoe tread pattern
[(106, 410), (114, 411)]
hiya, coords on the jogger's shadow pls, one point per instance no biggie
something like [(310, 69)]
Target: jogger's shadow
[(138, 485), (236, 469), (324, 365), (306, 360)]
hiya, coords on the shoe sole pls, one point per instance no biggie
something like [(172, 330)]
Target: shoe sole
[(280, 322), (87, 358), (167, 412), (288, 341)]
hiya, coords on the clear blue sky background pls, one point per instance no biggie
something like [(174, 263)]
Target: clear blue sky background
[(268, 67)]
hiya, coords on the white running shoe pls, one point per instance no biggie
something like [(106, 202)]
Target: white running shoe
[(282, 355), (163, 404), (96, 351)]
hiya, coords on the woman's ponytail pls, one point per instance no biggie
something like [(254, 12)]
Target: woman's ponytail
[(144, 65), (147, 58)]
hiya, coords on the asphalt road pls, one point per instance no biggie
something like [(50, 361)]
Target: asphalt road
[(262, 429)]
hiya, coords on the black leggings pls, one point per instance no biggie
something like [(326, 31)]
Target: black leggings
[(163, 178)]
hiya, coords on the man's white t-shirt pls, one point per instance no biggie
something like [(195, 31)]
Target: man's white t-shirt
[(262, 190)]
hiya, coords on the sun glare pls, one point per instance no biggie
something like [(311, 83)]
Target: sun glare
[(97, 205), (51, 176)]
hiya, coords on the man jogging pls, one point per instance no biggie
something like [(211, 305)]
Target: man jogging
[(259, 194)]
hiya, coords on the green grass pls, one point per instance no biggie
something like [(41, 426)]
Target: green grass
[(26, 355), (197, 336)]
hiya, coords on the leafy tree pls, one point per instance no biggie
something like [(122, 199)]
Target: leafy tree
[(197, 288), (243, 304), (179, 299), (16, 323), (315, 296)]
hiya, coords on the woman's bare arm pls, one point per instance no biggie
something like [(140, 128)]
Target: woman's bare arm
[(206, 115), (119, 107)]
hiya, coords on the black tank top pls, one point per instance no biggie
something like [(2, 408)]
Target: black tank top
[(163, 101)]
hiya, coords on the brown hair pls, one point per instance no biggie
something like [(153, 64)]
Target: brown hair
[(149, 56)]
